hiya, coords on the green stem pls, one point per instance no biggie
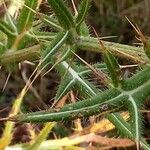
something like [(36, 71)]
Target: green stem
[(30, 53), (134, 53), (84, 43)]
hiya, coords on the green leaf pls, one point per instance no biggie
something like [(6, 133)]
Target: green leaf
[(65, 85), (125, 128), (26, 17), (7, 29), (83, 30), (35, 143), (113, 68), (2, 48), (39, 36), (50, 21), (136, 123), (10, 20), (54, 46), (84, 7), (147, 48), (136, 81), (78, 110), (71, 78), (85, 71), (63, 14)]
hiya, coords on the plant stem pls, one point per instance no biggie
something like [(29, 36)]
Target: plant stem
[(92, 44), (30, 53), (84, 43)]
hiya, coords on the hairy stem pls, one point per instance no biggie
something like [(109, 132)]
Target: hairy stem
[(84, 43)]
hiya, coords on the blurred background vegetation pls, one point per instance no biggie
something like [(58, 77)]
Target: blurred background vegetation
[(109, 18)]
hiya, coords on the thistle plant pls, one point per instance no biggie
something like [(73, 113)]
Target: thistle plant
[(59, 48)]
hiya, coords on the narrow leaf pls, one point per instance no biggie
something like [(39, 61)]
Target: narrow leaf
[(26, 17), (2, 48), (113, 68), (48, 36), (64, 16), (65, 85), (121, 125), (147, 48), (35, 143), (80, 109), (9, 126), (83, 30), (50, 21), (7, 29), (136, 122), (9, 19), (84, 6), (142, 77), (80, 82), (54, 46), (125, 128)]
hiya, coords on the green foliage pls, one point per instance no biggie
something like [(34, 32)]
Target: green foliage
[(63, 14), (25, 19), (57, 47), (84, 6), (6, 28), (113, 68)]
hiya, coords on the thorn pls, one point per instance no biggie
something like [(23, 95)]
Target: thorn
[(4, 119), (100, 75), (51, 68), (138, 31), (100, 42), (2, 110), (137, 145), (6, 81), (74, 7)]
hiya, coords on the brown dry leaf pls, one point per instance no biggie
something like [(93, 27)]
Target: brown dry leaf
[(109, 141), (61, 102)]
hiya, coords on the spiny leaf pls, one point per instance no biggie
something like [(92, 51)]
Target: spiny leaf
[(35, 143), (2, 48), (39, 36), (54, 46), (9, 126), (84, 6), (64, 16), (10, 20), (136, 123), (65, 85), (135, 81), (113, 68), (125, 128), (75, 75), (77, 110), (67, 114), (26, 17), (121, 124), (73, 79), (85, 71), (83, 30), (147, 48), (50, 21), (112, 64), (7, 29)]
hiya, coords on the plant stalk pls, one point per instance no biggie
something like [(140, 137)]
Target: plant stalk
[(133, 53)]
